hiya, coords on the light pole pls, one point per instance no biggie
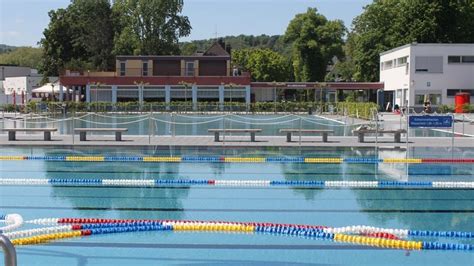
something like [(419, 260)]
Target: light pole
[(140, 84), (186, 84), (275, 92), (97, 86), (52, 91), (231, 86), (321, 86)]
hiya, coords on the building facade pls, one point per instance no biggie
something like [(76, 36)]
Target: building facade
[(417, 73), (15, 80), (202, 77)]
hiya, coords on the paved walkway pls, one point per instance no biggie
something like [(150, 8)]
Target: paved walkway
[(232, 141)]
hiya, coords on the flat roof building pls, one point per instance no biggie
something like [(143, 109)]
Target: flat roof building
[(16, 79), (419, 72), (202, 77)]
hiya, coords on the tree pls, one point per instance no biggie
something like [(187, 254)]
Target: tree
[(57, 43), (188, 48), (81, 34), (264, 64), (344, 69), (386, 24), (149, 27), (93, 31), (23, 56), (315, 41), (241, 42)]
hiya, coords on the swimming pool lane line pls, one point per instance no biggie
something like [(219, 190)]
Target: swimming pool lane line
[(224, 159), (357, 229), (371, 236), (236, 183), (12, 221)]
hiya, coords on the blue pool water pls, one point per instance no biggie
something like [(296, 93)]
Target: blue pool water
[(421, 209)]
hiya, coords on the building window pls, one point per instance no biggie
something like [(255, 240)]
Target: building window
[(468, 59), (145, 68), (122, 68), (461, 59), (399, 94), (429, 64), (190, 68), (433, 98), (402, 61), (419, 99), (387, 65), (454, 59), (452, 92)]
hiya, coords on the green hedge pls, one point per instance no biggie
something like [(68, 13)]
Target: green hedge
[(466, 108), (361, 110)]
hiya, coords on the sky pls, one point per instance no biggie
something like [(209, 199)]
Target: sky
[(22, 21)]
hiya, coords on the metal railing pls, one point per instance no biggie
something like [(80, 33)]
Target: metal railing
[(9, 250), (172, 72)]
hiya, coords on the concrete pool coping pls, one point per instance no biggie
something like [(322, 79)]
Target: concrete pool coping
[(27, 140)]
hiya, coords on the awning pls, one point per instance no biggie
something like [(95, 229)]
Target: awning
[(49, 88)]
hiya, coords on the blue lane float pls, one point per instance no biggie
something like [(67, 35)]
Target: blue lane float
[(360, 235), (317, 184)]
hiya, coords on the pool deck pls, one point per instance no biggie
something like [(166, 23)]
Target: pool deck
[(26, 140)]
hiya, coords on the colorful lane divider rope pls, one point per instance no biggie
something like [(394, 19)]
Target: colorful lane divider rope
[(235, 183), (223, 159), (62, 228)]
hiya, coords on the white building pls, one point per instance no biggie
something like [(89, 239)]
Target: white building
[(21, 80), (7, 72), (15, 71), (22, 86), (415, 73)]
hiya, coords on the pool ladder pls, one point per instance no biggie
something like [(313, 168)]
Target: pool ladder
[(9, 250)]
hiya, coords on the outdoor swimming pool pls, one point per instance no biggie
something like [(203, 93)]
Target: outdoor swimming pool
[(404, 208)]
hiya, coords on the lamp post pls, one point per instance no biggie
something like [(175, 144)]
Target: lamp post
[(140, 84), (52, 91), (231, 86), (321, 86), (275, 92), (186, 85), (97, 86)]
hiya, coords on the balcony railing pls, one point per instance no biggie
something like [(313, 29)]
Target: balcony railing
[(139, 72)]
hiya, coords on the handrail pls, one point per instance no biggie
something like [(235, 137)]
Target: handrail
[(9, 250)]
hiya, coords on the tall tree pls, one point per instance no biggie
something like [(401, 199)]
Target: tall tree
[(57, 43), (344, 68), (264, 64), (93, 31), (315, 41), (386, 24), (149, 27), (82, 34)]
